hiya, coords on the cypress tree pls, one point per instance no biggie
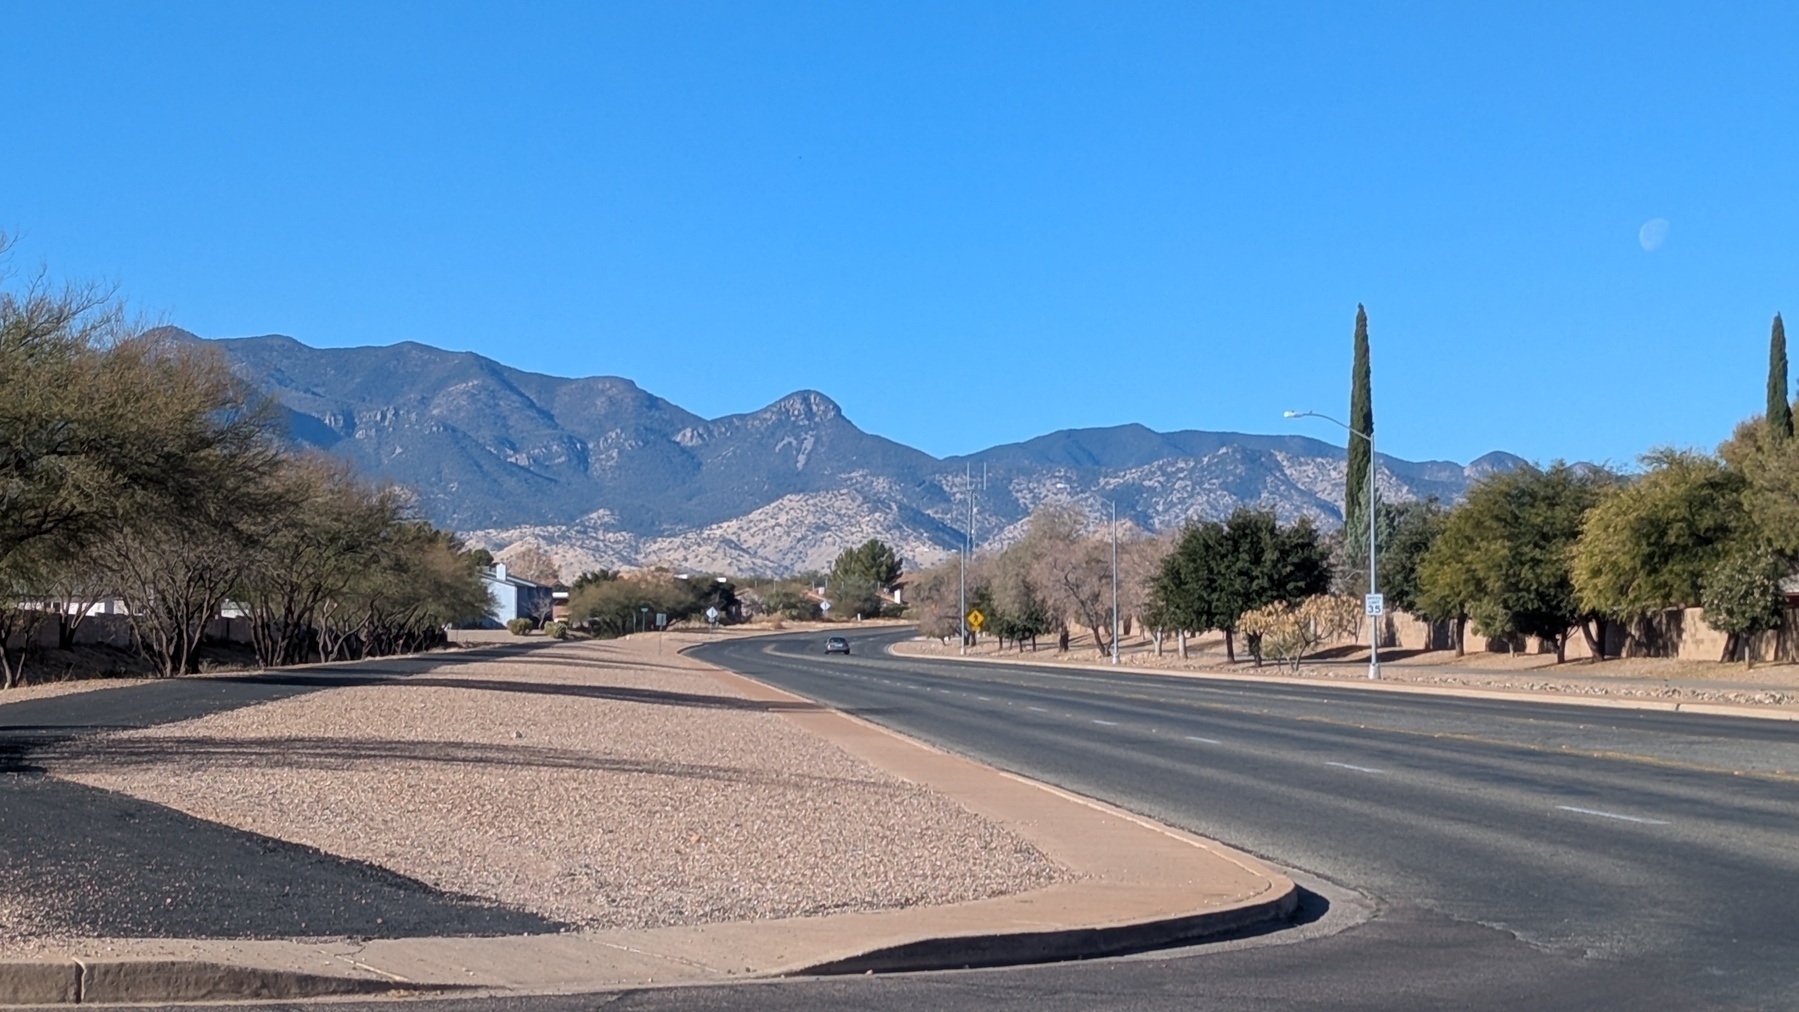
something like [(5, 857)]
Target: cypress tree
[(1361, 419), (1780, 413)]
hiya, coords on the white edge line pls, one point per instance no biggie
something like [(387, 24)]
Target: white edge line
[(1208, 741), (1613, 815), (1358, 769)]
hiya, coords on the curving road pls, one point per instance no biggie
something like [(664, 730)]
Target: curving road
[(1514, 854)]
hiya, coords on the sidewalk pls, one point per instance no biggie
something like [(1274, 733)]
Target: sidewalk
[(1131, 884)]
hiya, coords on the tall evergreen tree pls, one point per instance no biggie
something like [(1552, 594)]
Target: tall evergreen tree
[(1780, 413), (1361, 419)]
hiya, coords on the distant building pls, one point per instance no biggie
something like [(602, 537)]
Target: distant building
[(515, 598), (898, 589)]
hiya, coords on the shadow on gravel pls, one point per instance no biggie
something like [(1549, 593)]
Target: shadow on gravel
[(616, 693), (87, 862), (100, 755)]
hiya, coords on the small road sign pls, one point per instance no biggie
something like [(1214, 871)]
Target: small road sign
[(662, 620), (712, 615), (1374, 605), (824, 606), (976, 619)]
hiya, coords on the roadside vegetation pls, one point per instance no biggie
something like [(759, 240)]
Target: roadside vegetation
[(135, 468), (1552, 552), (609, 603)]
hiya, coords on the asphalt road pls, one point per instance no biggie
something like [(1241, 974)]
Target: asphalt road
[(1465, 854), (1516, 855)]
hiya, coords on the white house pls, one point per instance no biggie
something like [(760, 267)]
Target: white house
[(515, 598)]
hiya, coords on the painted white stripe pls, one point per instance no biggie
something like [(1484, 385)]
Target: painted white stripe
[(1208, 741), (1039, 709), (1613, 815), (983, 699), (1358, 769), (1108, 723)]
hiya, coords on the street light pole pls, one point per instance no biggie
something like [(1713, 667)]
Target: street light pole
[(1373, 590), (967, 542), (1114, 581)]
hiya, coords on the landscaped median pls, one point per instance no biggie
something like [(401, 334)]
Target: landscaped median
[(659, 820)]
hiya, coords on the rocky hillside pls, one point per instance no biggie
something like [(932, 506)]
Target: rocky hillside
[(601, 472)]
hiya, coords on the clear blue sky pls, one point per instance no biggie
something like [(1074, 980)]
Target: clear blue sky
[(969, 223)]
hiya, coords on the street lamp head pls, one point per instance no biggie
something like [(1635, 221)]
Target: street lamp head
[(1289, 414)]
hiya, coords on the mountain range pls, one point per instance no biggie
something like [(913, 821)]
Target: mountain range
[(600, 472)]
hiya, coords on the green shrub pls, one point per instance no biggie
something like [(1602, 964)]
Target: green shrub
[(556, 630), (520, 626)]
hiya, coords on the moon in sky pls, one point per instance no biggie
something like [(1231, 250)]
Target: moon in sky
[(1653, 233)]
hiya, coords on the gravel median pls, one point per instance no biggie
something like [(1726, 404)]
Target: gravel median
[(595, 784)]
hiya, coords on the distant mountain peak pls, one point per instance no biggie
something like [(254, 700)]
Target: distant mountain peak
[(1493, 463), (808, 406), (618, 476)]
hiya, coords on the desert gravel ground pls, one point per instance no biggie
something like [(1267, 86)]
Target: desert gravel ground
[(594, 784)]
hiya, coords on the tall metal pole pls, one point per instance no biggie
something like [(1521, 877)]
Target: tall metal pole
[(962, 599), (1114, 581), (1373, 490), (1373, 620)]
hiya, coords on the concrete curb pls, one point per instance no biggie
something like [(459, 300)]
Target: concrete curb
[(953, 952), (1499, 695), (90, 981)]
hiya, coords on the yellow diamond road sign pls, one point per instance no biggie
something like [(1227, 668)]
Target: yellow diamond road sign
[(975, 618)]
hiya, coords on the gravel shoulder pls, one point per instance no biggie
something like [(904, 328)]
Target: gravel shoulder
[(600, 785)]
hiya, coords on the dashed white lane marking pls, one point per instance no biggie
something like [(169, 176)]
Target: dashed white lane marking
[(1208, 741), (1108, 723), (983, 699), (1358, 769), (1039, 709), (1613, 815)]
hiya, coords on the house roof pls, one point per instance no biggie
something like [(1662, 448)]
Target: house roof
[(497, 574)]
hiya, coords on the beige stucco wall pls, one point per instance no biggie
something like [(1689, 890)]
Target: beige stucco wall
[(1677, 632)]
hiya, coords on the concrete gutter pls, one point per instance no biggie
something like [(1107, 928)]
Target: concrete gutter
[(1137, 885), (1461, 692)]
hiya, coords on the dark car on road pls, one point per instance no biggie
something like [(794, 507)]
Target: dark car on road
[(837, 645)]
